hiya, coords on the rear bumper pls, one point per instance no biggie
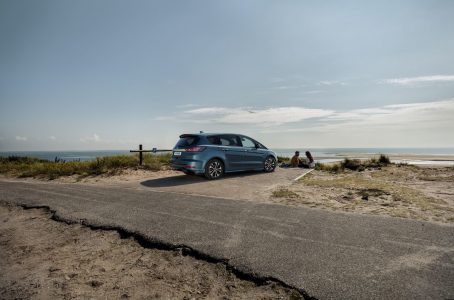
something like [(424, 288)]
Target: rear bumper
[(188, 165)]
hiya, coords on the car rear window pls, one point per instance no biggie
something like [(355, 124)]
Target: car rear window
[(187, 141)]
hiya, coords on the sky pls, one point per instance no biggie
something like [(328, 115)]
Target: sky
[(96, 75)]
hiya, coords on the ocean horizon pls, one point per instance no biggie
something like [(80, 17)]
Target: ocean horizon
[(327, 153)]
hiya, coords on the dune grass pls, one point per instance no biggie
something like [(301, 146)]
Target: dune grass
[(378, 187), (284, 193), (33, 167), (355, 164), (281, 159)]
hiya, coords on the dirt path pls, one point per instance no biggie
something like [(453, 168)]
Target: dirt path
[(43, 259)]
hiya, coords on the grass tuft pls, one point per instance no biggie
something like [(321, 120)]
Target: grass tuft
[(355, 164), (285, 193), (281, 159)]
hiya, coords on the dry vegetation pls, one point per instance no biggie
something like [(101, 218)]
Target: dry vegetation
[(396, 190), (33, 167)]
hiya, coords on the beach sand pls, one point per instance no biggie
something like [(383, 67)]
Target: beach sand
[(45, 259)]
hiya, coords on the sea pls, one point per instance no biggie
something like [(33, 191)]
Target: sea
[(323, 155)]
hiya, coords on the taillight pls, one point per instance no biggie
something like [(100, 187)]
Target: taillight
[(195, 149)]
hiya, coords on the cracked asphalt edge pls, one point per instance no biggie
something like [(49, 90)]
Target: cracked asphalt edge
[(153, 243)]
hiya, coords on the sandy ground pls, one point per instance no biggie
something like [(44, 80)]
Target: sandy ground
[(250, 186), (421, 193), (45, 259)]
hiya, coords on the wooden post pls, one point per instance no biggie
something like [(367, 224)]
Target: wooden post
[(141, 151), (140, 155)]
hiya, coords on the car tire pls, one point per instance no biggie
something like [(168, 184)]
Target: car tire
[(269, 165), (214, 169)]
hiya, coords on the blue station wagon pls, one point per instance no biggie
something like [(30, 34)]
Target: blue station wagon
[(213, 154)]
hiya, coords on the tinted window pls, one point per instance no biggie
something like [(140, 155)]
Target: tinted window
[(215, 140), (187, 141), (229, 140), (248, 143)]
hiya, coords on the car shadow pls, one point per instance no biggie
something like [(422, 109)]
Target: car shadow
[(179, 180)]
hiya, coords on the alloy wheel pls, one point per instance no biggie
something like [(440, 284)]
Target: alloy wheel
[(270, 164), (215, 169)]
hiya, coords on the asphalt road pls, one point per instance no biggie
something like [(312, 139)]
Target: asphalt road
[(329, 255)]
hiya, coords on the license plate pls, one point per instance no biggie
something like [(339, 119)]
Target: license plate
[(176, 153)]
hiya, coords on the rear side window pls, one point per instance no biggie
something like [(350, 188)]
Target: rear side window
[(246, 142), (230, 140), (187, 141), (214, 140)]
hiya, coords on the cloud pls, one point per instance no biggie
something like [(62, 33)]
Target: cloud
[(424, 124), (53, 138), (331, 82), (189, 105), (408, 81), (263, 117), (389, 119), (284, 87), (94, 138), (21, 138), (313, 92)]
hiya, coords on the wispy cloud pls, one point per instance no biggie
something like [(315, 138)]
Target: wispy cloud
[(52, 137), (285, 87), (21, 138), (263, 116), (94, 138), (189, 105), (331, 82), (313, 92), (417, 124), (408, 81), (387, 119)]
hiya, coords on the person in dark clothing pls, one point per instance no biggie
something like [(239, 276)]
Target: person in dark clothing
[(295, 161)]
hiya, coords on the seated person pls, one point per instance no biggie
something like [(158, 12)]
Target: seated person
[(295, 161), (310, 160)]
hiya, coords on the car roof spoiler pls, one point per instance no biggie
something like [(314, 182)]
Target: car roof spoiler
[(188, 135)]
